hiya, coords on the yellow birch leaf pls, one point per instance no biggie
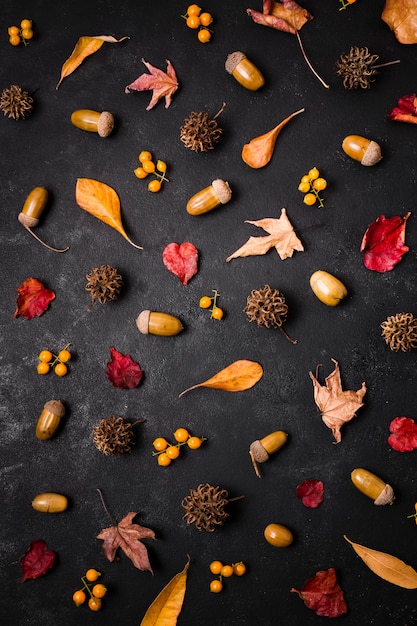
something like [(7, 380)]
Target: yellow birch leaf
[(388, 567), (167, 605), (238, 376), (102, 201), (83, 48)]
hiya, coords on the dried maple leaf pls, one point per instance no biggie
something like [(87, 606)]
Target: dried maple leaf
[(83, 48), (323, 595), (168, 603), (310, 492), (287, 16), (383, 243), (33, 299), (335, 405), (403, 436), (37, 560), (282, 237), (238, 376), (122, 371), (401, 17), (181, 260), (163, 85), (127, 536), (406, 110)]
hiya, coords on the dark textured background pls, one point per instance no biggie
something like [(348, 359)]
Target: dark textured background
[(47, 150)]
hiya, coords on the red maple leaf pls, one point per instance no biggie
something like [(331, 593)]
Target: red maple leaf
[(181, 260), (311, 493), (406, 110), (163, 85), (122, 371), (323, 595), (37, 560), (383, 243), (403, 434), (127, 536), (33, 299)]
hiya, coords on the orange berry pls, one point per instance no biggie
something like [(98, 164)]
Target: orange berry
[(172, 452), (79, 597), (154, 186), (25, 24), (140, 172), (145, 155), (193, 21), (164, 460), (227, 571), (148, 166), (216, 586), (217, 313), (204, 35), (60, 369), (193, 9), (92, 575), (99, 591), (13, 30), (43, 368), (160, 444), (94, 604), (194, 443), (239, 568), (216, 567), (27, 33), (181, 435), (14, 40), (206, 19)]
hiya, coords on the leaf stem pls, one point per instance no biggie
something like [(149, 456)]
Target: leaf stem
[(308, 62), (100, 493), (293, 341)]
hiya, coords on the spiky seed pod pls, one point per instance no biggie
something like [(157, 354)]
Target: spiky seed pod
[(267, 307), (199, 132), (104, 284), (16, 103), (400, 332), (113, 436), (356, 68), (205, 506)]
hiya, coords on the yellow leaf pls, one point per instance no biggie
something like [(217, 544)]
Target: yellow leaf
[(238, 376), (83, 48), (388, 567), (102, 201), (167, 605)]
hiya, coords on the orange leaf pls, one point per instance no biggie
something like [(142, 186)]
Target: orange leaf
[(167, 605), (258, 152), (101, 201), (238, 376), (401, 17), (388, 567), (83, 48)]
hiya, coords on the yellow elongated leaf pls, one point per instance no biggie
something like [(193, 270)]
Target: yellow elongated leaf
[(102, 201), (83, 48), (388, 567), (167, 605), (238, 376)]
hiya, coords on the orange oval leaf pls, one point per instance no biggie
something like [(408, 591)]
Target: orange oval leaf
[(238, 376), (167, 605)]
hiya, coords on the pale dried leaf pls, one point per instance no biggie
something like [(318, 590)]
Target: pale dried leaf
[(401, 17)]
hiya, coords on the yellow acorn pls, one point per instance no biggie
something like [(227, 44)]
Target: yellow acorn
[(328, 289), (50, 503), (260, 450), (209, 198), (278, 535), (93, 121), (366, 151), (158, 323), (372, 486), (49, 419), (244, 71)]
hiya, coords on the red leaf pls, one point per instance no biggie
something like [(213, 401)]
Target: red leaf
[(163, 85), (406, 111), (404, 434), (37, 560), (323, 595), (181, 260), (383, 243), (122, 371), (311, 493), (127, 536), (33, 298)]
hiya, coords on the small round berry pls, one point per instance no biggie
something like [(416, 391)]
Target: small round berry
[(227, 571), (79, 597), (194, 443), (239, 569), (160, 444), (319, 184), (140, 172), (92, 575), (193, 9), (61, 369), (27, 33), (172, 452), (313, 173), (310, 199), (154, 186), (164, 460), (43, 368), (304, 187), (181, 435), (64, 355), (206, 18), (99, 591), (216, 586), (204, 35), (12, 31), (217, 313), (148, 166), (193, 21), (45, 356), (26, 24), (14, 40), (94, 604), (145, 155), (205, 302), (216, 567), (161, 166), (305, 179)]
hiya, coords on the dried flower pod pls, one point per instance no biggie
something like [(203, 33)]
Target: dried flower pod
[(260, 450), (113, 436), (267, 307), (356, 68), (244, 71), (93, 121), (104, 284), (200, 133), (400, 332), (205, 507), (361, 149), (16, 103), (373, 487)]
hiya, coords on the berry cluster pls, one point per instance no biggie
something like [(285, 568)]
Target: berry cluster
[(206, 302), (195, 19), (311, 184), (224, 571), (95, 591), (22, 34), (345, 4), (149, 167), (167, 452), (57, 362)]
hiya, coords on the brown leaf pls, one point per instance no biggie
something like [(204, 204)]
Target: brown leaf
[(127, 536), (83, 48), (258, 152), (102, 201), (281, 236), (163, 85), (238, 376), (388, 567), (401, 17), (167, 605), (287, 16), (336, 406)]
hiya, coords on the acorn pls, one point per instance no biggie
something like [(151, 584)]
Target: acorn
[(209, 198), (31, 212), (244, 71), (158, 323), (260, 450), (50, 503), (49, 419), (93, 121), (328, 289), (366, 151), (372, 486), (278, 535)]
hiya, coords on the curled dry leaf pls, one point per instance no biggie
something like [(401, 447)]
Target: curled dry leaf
[(258, 152), (163, 84), (167, 605), (335, 405), (127, 536), (383, 243), (287, 15), (37, 560), (388, 567), (102, 201), (238, 376), (311, 493), (33, 299), (83, 48), (122, 371), (323, 595), (281, 236), (406, 110), (401, 17), (403, 437)]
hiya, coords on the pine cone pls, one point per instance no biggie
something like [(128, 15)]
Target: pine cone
[(205, 506), (15, 102), (400, 332), (104, 284), (199, 133), (113, 436), (356, 68)]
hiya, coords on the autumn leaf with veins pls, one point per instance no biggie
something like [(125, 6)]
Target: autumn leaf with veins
[(162, 84)]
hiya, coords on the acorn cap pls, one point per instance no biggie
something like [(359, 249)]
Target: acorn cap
[(56, 407), (372, 154), (386, 496), (142, 322), (105, 124), (258, 452), (222, 190), (27, 220), (233, 61)]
